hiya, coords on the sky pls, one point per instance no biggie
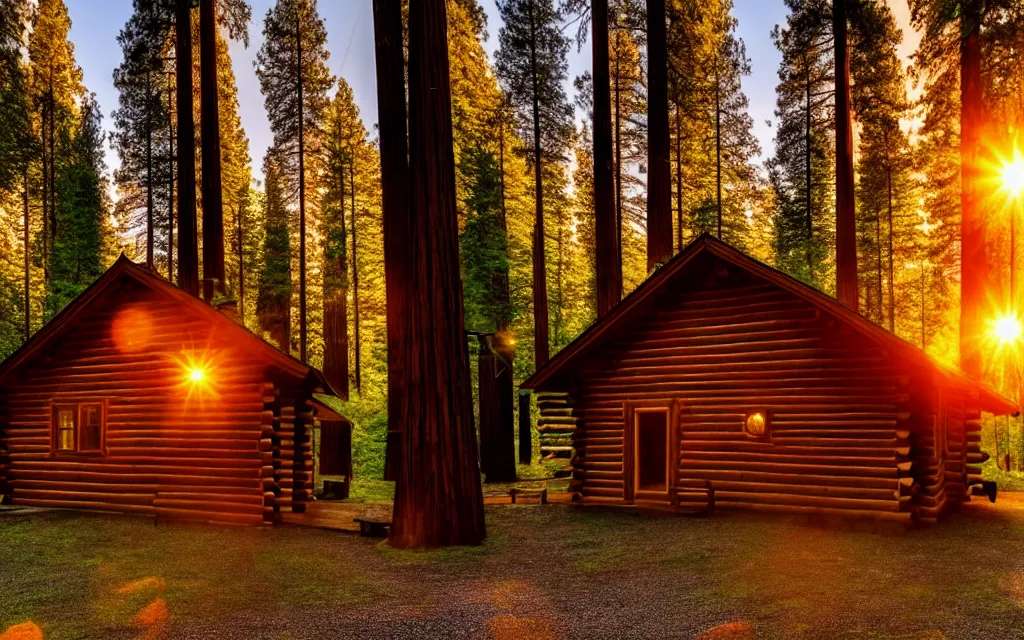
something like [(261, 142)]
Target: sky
[(96, 23)]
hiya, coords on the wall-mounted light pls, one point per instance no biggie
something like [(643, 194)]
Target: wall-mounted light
[(757, 424)]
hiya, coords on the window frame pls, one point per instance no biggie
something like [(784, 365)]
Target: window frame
[(78, 408), (631, 490)]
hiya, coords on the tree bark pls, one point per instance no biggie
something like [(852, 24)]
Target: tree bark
[(718, 149), (974, 281), (438, 501), (28, 288), (679, 176), (659, 172), (149, 170), (170, 180), (609, 269), (846, 222), (807, 161), (336, 314), (618, 154), (397, 219), (355, 274), (188, 250), (541, 330), (209, 118), (302, 195)]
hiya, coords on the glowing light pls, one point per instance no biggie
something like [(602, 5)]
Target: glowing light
[(1006, 329), (1012, 175), (756, 424), (196, 375)]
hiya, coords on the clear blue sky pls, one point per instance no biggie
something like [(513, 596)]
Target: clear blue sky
[(95, 25)]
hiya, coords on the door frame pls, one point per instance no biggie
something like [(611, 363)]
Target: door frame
[(630, 493)]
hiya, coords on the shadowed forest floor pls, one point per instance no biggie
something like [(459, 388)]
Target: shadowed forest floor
[(545, 572)]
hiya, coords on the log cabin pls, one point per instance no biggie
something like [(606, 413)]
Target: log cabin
[(721, 374), (138, 397)]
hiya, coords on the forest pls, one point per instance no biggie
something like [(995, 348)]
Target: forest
[(304, 245)]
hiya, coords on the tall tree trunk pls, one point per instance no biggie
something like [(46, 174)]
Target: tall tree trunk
[(149, 169), (504, 293), (170, 180), (974, 281), (355, 275), (46, 201), (438, 501), (241, 265), (718, 148), (659, 171), (892, 273), (878, 246), (846, 222), (302, 195), (188, 250), (213, 208), (807, 160), (541, 330), (28, 288), (336, 313), (609, 269), (618, 153), (679, 176), (397, 218)]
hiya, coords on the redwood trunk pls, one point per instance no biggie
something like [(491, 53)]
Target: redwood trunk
[(213, 209), (609, 270), (188, 251), (438, 501), (659, 171), (170, 181), (846, 223), (149, 170), (302, 196), (387, 23), (541, 330), (28, 289), (355, 273), (336, 314), (974, 267)]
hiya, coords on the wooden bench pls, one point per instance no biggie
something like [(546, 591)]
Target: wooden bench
[(542, 494), (691, 488), (372, 527)]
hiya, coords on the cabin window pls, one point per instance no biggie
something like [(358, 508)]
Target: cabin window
[(652, 434), (757, 424), (78, 427)]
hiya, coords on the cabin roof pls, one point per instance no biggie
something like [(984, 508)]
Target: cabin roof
[(566, 360), (125, 268)]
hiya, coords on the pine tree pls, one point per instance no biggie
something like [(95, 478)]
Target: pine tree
[(274, 297), (531, 64), (806, 220), (294, 79)]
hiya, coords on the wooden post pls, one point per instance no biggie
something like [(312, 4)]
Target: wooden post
[(525, 430), (213, 211)]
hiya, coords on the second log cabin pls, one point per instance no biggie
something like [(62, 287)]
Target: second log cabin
[(138, 397), (722, 372)]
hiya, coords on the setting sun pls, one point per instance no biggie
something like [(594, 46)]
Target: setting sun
[(196, 375), (1006, 329), (1012, 175)]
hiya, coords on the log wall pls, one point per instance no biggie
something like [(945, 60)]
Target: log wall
[(172, 449), (841, 425)]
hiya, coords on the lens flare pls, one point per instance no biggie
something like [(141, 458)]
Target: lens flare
[(1006, 329), (1012, 175)]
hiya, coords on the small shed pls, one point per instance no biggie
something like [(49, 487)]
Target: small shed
[(722, 372), (138, 397)]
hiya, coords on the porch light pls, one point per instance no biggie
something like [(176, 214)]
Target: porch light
[(757, 424)]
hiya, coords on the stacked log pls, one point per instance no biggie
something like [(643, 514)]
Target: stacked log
[(4, 461), (839, 440), (270, 443), (556, 425), (292, 477)]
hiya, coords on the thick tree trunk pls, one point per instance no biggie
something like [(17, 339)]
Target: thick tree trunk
[(541, 330), (336, 316), (807, 161), (387, 23), (170, 180), (149, 170), (28, 282), (355, 277), (503, 287), (609, 269), (892, 271), (974, 281), (659, 171), (679, 177), (302, 194), (617, 131), (213, 208), (188, 250), (438, 501), (718, 150), (846, 222)]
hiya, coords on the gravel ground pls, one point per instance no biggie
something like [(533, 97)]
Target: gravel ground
[(544, 573)]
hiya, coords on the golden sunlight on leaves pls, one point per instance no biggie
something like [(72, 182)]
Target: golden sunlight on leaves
[(24, 631)]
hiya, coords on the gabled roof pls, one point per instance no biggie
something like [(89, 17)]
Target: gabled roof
[(125, 268), (632, 305)]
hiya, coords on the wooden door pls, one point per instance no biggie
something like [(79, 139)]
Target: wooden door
[(650, 446)]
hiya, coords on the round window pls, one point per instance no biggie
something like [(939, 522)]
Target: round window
[(757, 424)]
